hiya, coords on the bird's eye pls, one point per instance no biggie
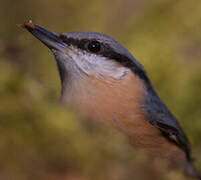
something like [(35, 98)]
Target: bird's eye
[(94, 46)]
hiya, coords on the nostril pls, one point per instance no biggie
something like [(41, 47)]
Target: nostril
[(68, 40), (63, 37)]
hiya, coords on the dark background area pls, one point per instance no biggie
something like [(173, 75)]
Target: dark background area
[(39, 138)]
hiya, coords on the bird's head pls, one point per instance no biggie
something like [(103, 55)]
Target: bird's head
[(81, 54)]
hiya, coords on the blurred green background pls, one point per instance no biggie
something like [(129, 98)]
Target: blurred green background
[(39, 138)]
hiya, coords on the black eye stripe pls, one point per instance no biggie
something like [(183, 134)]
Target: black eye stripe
[(111, 54)]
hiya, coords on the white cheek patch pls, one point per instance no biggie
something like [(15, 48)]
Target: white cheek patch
[(93, 64)]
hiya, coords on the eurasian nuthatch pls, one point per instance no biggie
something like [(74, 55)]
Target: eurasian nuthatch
[(104, 82)]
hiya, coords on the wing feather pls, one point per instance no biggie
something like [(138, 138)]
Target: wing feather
[(158, 115)]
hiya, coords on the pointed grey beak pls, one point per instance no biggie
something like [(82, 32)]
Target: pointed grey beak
[(50, 39)]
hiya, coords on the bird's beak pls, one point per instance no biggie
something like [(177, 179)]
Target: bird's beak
[(50, 39)]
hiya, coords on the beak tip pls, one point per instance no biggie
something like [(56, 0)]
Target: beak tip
[(28, 25)]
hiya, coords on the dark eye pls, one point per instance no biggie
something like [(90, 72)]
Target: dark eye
[(94, 46)]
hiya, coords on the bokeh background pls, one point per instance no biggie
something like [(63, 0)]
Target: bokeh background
[(39, 138)]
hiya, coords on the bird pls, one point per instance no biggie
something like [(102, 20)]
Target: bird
[(102, 81)]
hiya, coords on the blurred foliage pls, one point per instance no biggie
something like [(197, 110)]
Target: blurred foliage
[(39, 138)]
